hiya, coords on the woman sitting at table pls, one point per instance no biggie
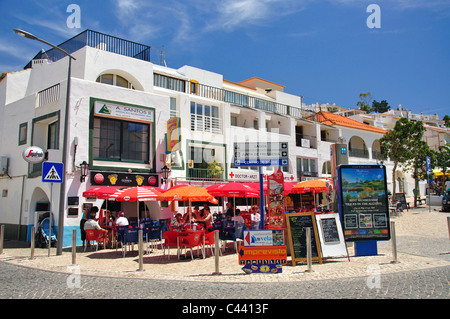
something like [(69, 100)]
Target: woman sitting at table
[(177, 221), (121, 220), (205, 218)]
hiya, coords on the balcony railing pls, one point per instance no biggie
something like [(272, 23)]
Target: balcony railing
[(361, 153), (96, 40), (203, 174)]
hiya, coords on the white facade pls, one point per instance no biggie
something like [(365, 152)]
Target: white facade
[(214, 114)]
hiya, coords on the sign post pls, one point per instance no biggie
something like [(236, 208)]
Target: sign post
[(429, 182), (52, 173)]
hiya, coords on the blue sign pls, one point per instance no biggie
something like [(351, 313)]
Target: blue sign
[(261, 162), (428, 165), (343, 150), (52, 172), (262, 269)]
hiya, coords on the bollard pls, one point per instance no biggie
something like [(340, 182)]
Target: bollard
[(141, 251), (448, 226), (74, 247), (394, 243), (308, 250), (33, 236), (2, 234), (217, 252)]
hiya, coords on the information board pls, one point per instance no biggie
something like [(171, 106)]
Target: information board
[(402, 198), (296, 227), (363, 202), (330, 235), (261, 154)]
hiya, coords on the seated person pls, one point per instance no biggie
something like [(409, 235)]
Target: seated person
[(238, 218), (91, 223), (177, 221), (121, 220)]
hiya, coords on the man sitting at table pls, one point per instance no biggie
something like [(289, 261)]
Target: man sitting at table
[(91, 223), (122, 220)]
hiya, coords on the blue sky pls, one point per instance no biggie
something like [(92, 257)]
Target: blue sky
[(322, 50)]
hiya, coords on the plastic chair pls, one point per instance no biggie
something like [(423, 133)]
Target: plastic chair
[(93, 235), (170, 241), (131, 236), (209, 240), (153, 235), (191, 240), (233, 235)]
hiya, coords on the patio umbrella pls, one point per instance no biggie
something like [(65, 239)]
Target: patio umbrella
[(233, 190), (314, 186), (137, 194), (187, 193), (100, 192)]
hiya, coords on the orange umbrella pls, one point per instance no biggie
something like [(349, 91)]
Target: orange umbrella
[(314, 185), (187, 193)]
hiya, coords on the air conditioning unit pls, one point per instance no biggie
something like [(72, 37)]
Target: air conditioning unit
[(54, 155), (4, 165)]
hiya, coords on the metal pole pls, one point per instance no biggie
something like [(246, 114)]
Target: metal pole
[(217, 252), (33, 231), (448, 225), (261, 197), (2, 234), (141, 253), (308, 250), (394, 243), (74, 247), (50, 223)]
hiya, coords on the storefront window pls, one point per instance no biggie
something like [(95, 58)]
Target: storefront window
[(120, 140)]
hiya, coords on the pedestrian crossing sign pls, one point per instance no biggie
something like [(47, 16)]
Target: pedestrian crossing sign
[(52, 172)]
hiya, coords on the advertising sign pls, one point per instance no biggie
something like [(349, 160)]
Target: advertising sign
[(124, 112), (173, 134), (363, 202), (33, 154), (276, 200), (276, 255), (266, 237), (123, 179)]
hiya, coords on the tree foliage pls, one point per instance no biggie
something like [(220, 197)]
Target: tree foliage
[(401, 144)]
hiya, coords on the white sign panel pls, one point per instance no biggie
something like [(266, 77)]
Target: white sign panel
[(33, 154), (124, 111), (330, 235)]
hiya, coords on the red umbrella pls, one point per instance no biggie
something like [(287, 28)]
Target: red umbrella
[(137, 193), (100, 192), (233, 190)]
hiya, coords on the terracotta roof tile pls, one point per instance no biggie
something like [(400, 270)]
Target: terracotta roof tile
[(334, 119)]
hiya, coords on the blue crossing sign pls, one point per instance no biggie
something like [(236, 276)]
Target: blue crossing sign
[(52, 172)]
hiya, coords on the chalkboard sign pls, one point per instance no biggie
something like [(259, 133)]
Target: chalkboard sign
[(401, 197), (330, 230), (296, 226)]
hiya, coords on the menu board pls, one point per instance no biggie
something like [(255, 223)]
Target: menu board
[(330, 231), (363, 202), (296, 227), (276, 200), (402, 198)]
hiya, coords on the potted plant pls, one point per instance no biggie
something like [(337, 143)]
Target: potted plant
[(215, 169)]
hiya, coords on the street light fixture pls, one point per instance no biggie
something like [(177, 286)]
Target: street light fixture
[(84, 169), (62, 195), (165, 174)]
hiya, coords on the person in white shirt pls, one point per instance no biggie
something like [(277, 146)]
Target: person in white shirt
[(237, 217), (121, 220), (255, 218)]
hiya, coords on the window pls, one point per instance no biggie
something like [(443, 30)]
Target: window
[(120, 140), (114, 79), (23, 132), (173, 107), (205, 118), (306, 167), (236, 98), (169, 83), (52, 136)]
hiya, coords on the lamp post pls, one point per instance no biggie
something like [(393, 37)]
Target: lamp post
[(62, 194), (165, 174), (84, 169)]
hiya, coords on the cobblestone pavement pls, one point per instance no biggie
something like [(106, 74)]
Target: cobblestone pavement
[(421, 273)]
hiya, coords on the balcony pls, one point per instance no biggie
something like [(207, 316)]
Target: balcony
[(96, 40), (361, 153), (203, 174)]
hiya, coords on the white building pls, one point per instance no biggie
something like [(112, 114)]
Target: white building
[(118, 112)]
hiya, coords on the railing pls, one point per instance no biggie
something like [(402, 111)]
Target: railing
[(207, 124), (361, 153), (96, 40), (203, 173), (49, 95), (305, 141)]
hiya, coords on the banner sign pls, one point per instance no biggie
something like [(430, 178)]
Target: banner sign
[(262, 269), (173, 134), (123, 179), (363, 202), (276, 200), (276, 255), (124, 111), (265, 237)]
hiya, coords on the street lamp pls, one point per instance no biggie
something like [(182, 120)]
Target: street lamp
[(62, 194), (165, 174), (84, 169)]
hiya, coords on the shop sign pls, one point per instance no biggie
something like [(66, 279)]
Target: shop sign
[(33, 154), (124, 111), (261, 269), (276, 199), (266, 237), (261, 255), (173, 134), (123, 179)]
